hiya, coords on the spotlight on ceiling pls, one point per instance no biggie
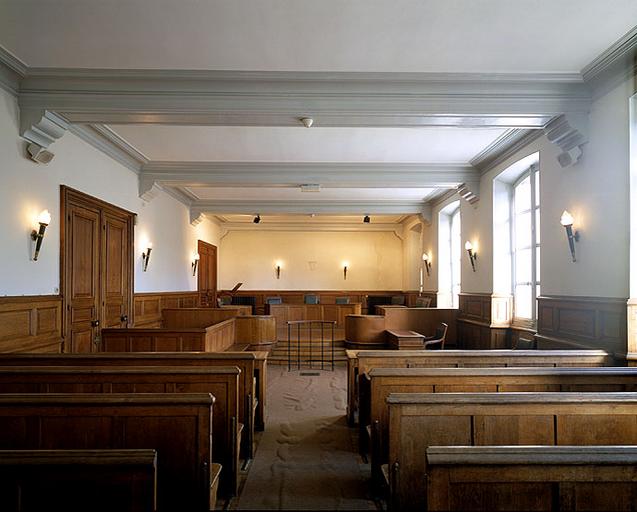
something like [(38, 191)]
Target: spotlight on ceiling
[(366, 219), (307, 121), (257, 219)]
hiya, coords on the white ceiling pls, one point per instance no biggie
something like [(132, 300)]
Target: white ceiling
[(315, 35), (295, 193), (300, 144)]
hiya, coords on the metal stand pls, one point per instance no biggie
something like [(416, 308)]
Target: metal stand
[(310, 324)]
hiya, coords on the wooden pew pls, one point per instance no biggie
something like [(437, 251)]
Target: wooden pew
[(221, 382), (379, 383), (361, 361), (215, 338), (78, 480), (253, 366), (420, 420), (178, 426), (521, 478)]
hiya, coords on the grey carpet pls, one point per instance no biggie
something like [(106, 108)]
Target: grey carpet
[(307, 458)]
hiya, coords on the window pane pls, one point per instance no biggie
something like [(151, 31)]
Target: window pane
[(537, 291), (537, 226), (523, 266), (537, 264), (523, 230), (537, 188), (523, 195), (523, 301)]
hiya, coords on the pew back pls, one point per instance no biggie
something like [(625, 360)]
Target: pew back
[(420, 420), (361, 361), (78, 480), (524, 478), (221, 382), (178, 426)]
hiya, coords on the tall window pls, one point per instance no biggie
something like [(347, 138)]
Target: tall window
[(456, 256), (526, 245)]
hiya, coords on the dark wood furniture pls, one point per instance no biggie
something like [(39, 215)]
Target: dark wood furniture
[(78, 480), (405, 340), (437, 341)]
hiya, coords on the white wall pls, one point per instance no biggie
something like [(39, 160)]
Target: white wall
[(375, 260), (26, 188)]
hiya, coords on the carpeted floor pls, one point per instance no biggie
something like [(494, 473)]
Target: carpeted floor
[(307, 457)]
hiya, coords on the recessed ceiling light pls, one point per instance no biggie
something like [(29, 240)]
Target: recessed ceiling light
[(307, 121)]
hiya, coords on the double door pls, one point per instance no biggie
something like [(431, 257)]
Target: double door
[(97, 280)]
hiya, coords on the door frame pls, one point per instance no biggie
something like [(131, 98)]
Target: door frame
[(68, 194)]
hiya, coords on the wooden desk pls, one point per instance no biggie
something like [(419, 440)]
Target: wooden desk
[(405, 340), (284, 313)]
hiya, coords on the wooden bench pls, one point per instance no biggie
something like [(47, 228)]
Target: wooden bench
[(221, 382), (379, 383), (521, 478), (361, 361), (177, 426), (253, 366), (214, 338), (418, 421), (78, 480)]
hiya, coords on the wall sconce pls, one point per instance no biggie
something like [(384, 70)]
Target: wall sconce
[(44, 219), (473, 255), (277, 268), (426, 262), (194, 264), (573, 236), (146, 256), (345, 265)]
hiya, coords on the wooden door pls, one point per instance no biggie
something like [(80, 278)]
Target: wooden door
[(96, 261), (82, 287), (207, 273), (116, 247)]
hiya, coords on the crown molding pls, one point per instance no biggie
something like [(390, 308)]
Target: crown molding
[(111, 144), (12, 71), (297, 173), (503, 148), (613, 66), (314, 227), (280, 98)]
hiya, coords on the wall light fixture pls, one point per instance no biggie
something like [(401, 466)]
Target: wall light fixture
[(426, 259), (146, 256), (44, 219), (473, 255), (195, 263), (573, 236)]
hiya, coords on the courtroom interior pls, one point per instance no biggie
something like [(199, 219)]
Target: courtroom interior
[(301, 255)]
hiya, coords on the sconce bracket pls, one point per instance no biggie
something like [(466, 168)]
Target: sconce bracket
[(569, 134), (41, 127), (148, 189), (470, 192)]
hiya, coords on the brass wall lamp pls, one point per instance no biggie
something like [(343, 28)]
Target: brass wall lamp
[(44, 219)]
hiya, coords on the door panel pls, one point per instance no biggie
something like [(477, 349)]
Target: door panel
[(116, 247), (207, 273), (83, 272)]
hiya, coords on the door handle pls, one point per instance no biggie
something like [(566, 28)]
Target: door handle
[(95, 323), (124, 318)]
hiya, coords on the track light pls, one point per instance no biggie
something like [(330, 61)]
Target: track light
[(257, 219), (366, 219)]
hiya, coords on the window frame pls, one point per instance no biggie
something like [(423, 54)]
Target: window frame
[(455, 297)]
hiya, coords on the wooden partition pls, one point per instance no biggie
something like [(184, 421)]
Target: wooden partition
[(257, 331), (198, 318), (361, 361), (284, 313), (222, 382), (178, 426), (31, 324), (418, 421), (148, 306), (522, 478), (78, 480), (216, 338), (423, 321)]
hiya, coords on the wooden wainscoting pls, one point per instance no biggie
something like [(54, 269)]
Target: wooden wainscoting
[(582, 323), (327, 296), (148, 306), (475, 328), (31, 324)]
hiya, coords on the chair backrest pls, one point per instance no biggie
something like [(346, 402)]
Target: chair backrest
[(423, 302), (273, 300), (342, 300), (311, 299), (225, 300), (438, 343), (398, 300), (245, 300)]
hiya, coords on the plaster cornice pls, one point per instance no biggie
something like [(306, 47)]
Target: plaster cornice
[(12, 71), (503, 148)]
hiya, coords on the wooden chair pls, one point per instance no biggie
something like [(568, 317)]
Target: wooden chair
[(398, 300), (437, 341), (273, 300), (311, 299), (423, 302), (342, 300)]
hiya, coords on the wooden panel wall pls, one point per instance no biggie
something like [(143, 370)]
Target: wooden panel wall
[(474, 324), (31, 324), (326, 296), (148, 306), (582, 323)]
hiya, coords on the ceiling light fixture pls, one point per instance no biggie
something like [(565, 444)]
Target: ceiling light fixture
[(307, 121), (257, 218), (366, 219)]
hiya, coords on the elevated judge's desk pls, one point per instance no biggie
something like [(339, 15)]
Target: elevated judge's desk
[(284, 313)]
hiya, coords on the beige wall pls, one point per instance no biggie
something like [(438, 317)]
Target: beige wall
[(311, 260)]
